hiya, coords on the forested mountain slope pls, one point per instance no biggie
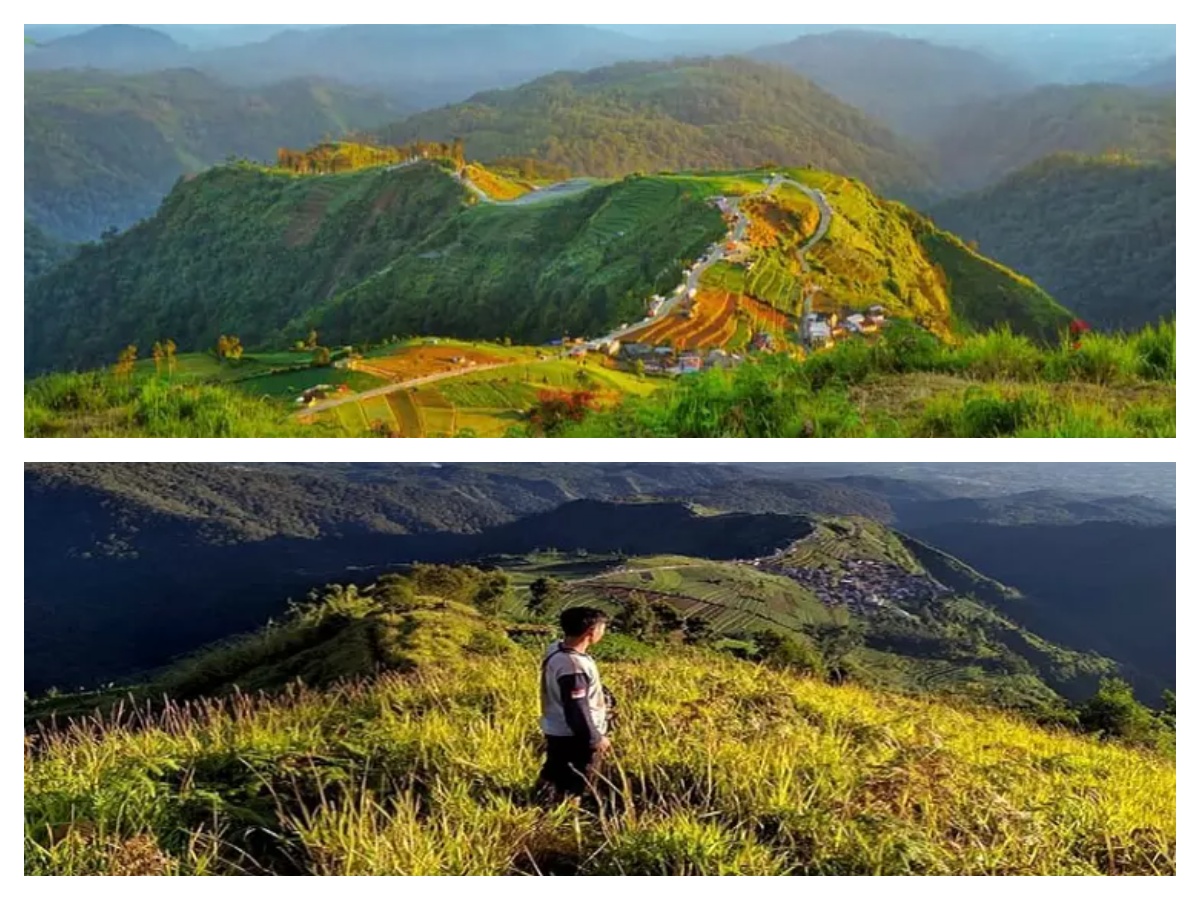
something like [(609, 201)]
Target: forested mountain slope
[(686, 114), (1097, 233)]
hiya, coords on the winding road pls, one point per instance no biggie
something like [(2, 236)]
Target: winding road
[(825, 212)]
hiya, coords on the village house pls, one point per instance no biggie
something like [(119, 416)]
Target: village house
[(635, 350), (319, 392)]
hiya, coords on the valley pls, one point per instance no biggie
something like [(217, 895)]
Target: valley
[(605, 531)]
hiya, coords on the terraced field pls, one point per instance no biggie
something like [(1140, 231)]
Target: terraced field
[(496, 186), (489, 403), (418, 359), (712, 324), (729, 596), (777, 281), (766, 318)]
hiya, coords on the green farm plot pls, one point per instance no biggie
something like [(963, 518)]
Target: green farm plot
[(730, 184), (499, 392), (287, 385), (724, 276), (206, 367), (405, 411), (378, 410), (438, 415), (351, 418)]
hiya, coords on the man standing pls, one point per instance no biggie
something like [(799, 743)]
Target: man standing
[(574, 710)]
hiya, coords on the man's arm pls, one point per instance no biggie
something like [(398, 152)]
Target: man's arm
[(574, 690)]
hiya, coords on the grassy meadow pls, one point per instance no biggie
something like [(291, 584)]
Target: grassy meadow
[(721, 767)]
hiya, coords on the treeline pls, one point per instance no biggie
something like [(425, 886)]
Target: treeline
[(332, 157)]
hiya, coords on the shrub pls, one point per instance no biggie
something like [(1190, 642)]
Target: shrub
[(1098, 358), (555, 410), (980, 413), (1113, 712), (1154, 347), (790, 651), (999, 355)]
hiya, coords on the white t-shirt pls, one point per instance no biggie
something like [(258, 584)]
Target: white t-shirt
[(560, 662)]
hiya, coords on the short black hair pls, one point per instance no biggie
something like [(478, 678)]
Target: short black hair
[(576, 620)]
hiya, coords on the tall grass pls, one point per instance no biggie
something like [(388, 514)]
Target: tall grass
[(1021, 388), (717, 771), (96, 404), (998, 384)]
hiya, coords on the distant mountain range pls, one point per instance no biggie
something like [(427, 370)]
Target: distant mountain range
[(912, 85), (1159, 76), (984, 141), (915, 119), (1043, 54), (102, 149), (121, 48)]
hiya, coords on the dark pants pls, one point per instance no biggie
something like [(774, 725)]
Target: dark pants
[(570, 764)]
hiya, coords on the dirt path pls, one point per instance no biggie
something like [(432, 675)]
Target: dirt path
[(392, 388)]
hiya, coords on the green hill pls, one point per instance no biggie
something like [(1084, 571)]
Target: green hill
[(1097, 233), (102, 149), (687, 114), (984, 141), (235, 250), (409, 749), (361, 255)]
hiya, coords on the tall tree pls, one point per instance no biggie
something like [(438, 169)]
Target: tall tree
[(543, 593), (636, 617)]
